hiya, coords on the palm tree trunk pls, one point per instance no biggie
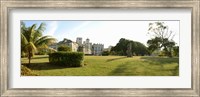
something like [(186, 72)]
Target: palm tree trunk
[(29, 58)]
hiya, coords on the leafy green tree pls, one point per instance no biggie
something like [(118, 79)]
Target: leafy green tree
[(121, 48), (31, 39), (162, 38), (168, 47), (64, 48), (154, 44)]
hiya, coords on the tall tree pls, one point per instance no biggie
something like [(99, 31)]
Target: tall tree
[(124, 45), (162, 38), (31, 39)]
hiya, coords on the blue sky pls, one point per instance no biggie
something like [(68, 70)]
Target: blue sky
[(104, 32)]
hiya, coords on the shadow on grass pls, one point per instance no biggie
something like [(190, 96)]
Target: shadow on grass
[(45, 66), (113, 59), (122, 70), (128, 70), (160, 60)]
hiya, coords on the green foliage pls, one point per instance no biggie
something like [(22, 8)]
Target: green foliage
[(27, 72), (154, 44), (137, 48), (45, 51), (162, 39), (31, 39), (105, 53), (80, 49), (163, 44), (64, 48), (67, 59), (23, 54), (176, 51)]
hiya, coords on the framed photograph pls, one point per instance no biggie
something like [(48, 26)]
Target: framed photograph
[(100, 48)]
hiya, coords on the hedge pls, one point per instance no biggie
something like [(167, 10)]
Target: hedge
[(67, 59)]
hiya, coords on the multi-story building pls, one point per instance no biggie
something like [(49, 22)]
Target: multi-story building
[(73, 46), (79, 40), (97, 49), (87, 46), (67, 42)]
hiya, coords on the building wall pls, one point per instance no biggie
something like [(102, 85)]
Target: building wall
[(97, 49), (79, 40), (73, 46), (87, 47)]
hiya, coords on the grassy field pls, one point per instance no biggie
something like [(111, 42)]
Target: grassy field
[(108, 66)]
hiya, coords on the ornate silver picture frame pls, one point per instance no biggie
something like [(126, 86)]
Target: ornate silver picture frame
[(8, 5)]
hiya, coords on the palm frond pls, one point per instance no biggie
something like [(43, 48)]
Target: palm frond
[(47, 40), (31, 47), (41, 28), (39, 31), (31, 32), (23, 39)]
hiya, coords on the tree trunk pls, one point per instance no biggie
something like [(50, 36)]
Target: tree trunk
[(29, 58), (129, 50)]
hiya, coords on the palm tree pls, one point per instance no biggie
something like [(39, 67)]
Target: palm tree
[(31, 39)]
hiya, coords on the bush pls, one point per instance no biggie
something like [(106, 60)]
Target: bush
[(105, 53), (64, 48), (23, 54), (27, 72), (67, 59)]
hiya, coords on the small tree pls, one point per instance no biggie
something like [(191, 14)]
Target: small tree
[(64, 48)]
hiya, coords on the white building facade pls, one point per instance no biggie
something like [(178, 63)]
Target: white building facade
[(87, 47), (97, 49)]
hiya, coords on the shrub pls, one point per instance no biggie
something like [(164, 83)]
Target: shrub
[(67, 59), (27, 72), (64, 48), (23, 54), (105, 53)]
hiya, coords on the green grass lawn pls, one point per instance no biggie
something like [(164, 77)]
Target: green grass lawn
[(108, 66)]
